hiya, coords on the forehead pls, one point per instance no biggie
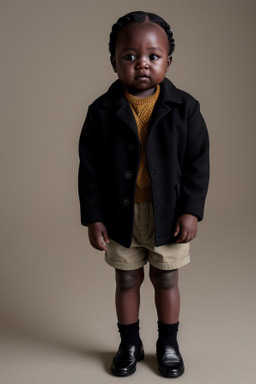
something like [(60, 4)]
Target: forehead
[(133, 35)]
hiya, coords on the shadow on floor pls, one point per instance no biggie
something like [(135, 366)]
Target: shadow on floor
[(21, 333)]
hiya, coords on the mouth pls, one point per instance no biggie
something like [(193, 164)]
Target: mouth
[(142, 76)]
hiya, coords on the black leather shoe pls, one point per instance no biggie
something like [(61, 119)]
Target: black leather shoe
[(170, 361), (125, 361)]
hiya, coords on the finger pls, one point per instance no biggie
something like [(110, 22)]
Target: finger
[(99, 246), (186, 239), (182, 237), (177, 229), (102, 244), (189, 237), (105, 236), (97, 243)]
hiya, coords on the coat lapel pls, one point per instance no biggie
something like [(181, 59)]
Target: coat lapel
[(115, 98), (125, 114)]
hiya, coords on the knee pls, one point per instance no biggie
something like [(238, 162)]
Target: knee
[(164, 279), (126, 280)]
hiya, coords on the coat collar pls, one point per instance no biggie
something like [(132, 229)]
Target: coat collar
[(169, 94), (115, 98)]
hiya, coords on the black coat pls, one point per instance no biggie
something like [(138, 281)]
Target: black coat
[(178, 157)]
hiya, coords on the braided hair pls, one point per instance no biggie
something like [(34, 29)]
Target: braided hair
[(139, 17)]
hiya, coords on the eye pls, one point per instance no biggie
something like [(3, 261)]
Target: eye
[(153, 56), (130, 57)]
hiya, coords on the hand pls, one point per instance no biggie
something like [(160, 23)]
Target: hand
[(186, 228), (98, 235)]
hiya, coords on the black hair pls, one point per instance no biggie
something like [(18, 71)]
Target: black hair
[(139, 17)]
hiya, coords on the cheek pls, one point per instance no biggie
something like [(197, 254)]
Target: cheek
[(123, 68), (163, 69), (126, 70)]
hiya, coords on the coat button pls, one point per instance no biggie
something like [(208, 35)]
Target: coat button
[(125, 201), (128, 174)]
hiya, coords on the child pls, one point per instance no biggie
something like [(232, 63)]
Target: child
[(143, 180)]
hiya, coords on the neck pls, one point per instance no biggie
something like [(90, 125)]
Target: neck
[(138, 93)]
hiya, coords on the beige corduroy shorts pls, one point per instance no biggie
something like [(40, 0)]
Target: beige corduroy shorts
[(143, 249)]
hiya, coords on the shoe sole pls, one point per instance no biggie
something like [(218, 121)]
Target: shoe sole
[(172, 375)]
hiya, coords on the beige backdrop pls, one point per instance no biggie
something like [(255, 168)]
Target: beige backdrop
[(57, 308)]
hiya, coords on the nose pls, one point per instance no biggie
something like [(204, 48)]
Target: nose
[(142, 65)]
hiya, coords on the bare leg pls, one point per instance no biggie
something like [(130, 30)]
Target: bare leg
[(130, 350), (167, 296), (167, 300), (128, 295)]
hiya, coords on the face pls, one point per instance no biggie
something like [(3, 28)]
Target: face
[(141, 57)]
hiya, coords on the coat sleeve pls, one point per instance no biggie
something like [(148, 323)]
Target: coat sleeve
[(89, 185), (195, 167)]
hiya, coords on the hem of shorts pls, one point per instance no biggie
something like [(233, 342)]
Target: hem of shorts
[(171, 266), (124, 266)]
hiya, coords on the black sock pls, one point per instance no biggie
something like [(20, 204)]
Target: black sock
[(130, 334), (167, 335)]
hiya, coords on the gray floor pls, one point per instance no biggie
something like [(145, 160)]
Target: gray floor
[(61, 327)]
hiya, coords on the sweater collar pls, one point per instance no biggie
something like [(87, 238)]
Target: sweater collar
[(139, 102), (168, 94)]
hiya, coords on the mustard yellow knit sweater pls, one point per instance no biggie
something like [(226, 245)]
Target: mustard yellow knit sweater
[(142, 109)]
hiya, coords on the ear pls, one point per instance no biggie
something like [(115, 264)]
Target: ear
[(113, 62), (169, 61)]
